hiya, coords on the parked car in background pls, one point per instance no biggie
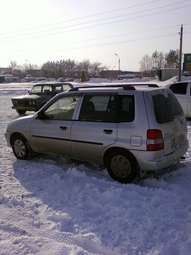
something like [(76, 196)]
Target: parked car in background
[(182, 91), (128, 128), (38, 96)]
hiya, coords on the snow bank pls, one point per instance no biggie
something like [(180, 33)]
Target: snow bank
[(53, 206)]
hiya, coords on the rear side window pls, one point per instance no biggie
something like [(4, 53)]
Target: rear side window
[(108, 108), (99, 108), (126, 108), (179, 88), (166, 108)]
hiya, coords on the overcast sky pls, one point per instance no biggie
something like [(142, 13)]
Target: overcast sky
[(36, 31)]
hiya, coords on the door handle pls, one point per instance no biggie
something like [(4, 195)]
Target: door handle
[(108, 131), (63, 128)]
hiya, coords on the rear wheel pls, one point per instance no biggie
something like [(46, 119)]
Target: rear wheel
[(121, 166), (20, 147), (20, 112)]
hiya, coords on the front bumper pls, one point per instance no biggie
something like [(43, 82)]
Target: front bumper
[(26, 108), (7, 137)]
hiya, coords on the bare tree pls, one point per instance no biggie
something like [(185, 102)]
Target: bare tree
[(158, 60), (70, 68), (146, 64), (172, 58), (13, 65)]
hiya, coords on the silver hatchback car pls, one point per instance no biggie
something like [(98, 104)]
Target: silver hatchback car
[(128, 128)]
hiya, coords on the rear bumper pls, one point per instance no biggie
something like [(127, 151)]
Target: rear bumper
[(152, 161)]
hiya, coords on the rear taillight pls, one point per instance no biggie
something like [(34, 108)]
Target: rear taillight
[(155, 141)]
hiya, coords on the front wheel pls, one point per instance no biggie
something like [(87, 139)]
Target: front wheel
[(121, 166), (21, 148)]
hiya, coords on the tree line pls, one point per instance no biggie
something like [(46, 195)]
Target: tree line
[(158, 60), (61, 68), (68, 68)]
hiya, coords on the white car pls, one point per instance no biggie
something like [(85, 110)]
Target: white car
[(182, 91)]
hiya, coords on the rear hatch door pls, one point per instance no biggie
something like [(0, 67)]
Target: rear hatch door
[(169, 118)]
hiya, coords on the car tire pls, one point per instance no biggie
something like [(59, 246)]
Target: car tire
[(20, 147), (20, 112), (121, 166)]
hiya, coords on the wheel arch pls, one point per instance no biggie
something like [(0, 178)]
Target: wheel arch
[(16, 134), (111, 150)]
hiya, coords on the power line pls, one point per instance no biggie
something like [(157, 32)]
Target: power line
[(119, 19), (154, 37), (124, 18), (120, 16), (128, 41), (155, 28), (96, 14)]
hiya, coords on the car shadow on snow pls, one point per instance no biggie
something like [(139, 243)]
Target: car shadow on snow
[(80, 200)]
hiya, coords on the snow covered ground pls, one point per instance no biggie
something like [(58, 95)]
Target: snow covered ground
[(51, 206)]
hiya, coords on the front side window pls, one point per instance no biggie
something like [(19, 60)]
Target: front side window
[(62, 109), (99, 108), (179, 88), (36, 89)]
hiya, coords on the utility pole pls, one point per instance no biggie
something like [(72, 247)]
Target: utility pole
[(180, 55), (119, 68)]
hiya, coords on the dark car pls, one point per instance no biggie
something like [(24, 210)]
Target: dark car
[(38, 96)]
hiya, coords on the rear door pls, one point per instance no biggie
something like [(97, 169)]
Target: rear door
[(132, 121), (95, 127)]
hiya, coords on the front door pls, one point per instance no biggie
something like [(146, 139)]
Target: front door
[(50, 131)]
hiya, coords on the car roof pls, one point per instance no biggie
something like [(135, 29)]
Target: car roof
[(122, 83), (116, 86), (53, 83), (117, 89), (184, 81)]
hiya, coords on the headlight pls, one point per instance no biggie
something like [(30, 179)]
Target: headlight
[(15, 102)]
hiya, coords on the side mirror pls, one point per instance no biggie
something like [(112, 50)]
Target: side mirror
[(41, 115)]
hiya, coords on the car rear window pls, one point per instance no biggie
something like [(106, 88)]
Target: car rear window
[(179, 88), (166, 108)]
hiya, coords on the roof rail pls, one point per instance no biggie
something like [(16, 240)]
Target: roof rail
[(124, 86)]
